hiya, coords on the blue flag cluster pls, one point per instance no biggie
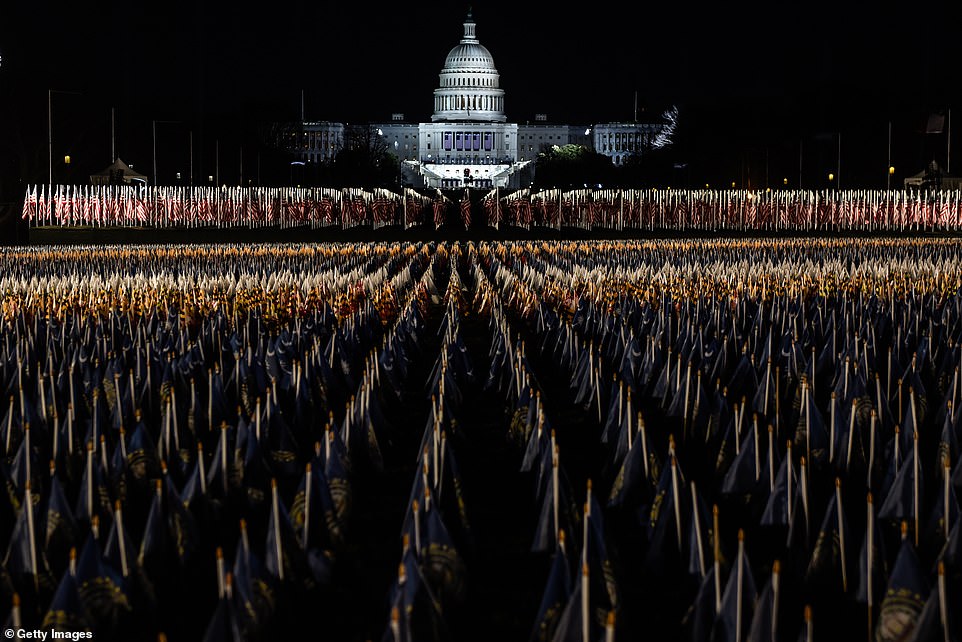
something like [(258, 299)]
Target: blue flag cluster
[(717, 440)]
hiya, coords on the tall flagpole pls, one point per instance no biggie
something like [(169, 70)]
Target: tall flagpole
[(888, 176), (154, 128), (799, 163), (838, 169), (50, 138), (948, 145)]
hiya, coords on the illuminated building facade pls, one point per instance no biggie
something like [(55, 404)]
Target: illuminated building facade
[(469, 141)]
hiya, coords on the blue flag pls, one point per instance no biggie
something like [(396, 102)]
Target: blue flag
[(904, 598), (67, 612), (554, 598), (738, 601)]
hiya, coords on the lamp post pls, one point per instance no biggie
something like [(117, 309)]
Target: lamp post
[(888, 178), (50, 93), (299, 164), (154, 129), (838, 165)]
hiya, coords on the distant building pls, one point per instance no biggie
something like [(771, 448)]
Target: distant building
[(118, 173), (469, 141), (319, 141), (621, 141), (533, 139)]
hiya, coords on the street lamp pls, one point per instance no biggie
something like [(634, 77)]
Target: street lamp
[(50, 93), (831, 177), (293, 163), (888, 179), (154, 128)]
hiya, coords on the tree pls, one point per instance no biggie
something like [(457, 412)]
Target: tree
[(571, 166), (365, 160)]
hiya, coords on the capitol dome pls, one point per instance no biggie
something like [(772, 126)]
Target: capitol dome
[(469, 89)]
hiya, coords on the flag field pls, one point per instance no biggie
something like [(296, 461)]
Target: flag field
[(594, 440)]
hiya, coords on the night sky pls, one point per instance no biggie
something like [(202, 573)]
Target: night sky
[(751, 80)]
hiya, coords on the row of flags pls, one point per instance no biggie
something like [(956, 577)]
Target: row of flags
[(769, 432), (200, 462), (735, 209), (581, 596), (160, 207), (431, 580), (735, 410), (621, 209)]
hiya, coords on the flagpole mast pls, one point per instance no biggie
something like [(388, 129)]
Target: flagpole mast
[(739, 583), (841, 532), (888, 176), (869, 553), (948, 145), (717, 556), (943, 602), (50, 138), (154, 128)]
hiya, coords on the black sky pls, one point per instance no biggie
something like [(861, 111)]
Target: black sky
[(752, 80)]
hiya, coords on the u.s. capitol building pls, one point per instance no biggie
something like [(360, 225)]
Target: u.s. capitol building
[(469, 141)]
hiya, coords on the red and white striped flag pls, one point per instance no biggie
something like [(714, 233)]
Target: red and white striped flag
[(30, 204)]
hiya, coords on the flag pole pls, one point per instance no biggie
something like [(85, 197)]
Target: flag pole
[(946, 475), (869, 553), (915, 483), (948, 145), (277, 531), (28, 507), (739, 583), (674, 490), (943, 602), (717, 543), (841, 532), (308, 474), (585, 613), (776, 586), (554, 485), (697, 524)]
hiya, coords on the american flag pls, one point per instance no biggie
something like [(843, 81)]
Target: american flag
[(85, 205), (327, 211), (359, 211), (438, 212), (466, 210), (413, 210), (30, 204), (141, 207), (526, 213)]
